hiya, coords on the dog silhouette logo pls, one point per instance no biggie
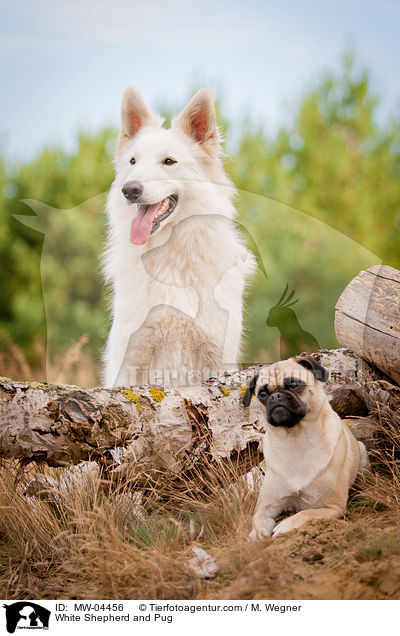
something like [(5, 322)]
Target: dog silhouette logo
[(26, 615)]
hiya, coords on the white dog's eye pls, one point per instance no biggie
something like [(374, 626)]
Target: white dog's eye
[(132, 160), (169, 161), (262, 394)]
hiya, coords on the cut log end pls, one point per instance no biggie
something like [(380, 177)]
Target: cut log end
[(367, 318)]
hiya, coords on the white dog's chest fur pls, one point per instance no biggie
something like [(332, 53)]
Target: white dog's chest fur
[(216, 311)]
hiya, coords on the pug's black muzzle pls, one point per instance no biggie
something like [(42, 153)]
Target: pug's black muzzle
[(284, 409)]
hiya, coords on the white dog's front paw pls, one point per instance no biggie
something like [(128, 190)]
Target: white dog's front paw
[(261, 530)]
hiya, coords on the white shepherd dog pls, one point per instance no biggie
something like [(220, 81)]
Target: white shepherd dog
[(175, 260)]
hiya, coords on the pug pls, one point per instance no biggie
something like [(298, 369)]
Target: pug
[(311, 456)]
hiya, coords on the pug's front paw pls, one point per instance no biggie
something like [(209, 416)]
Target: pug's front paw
[(261, 530), (285, 526)]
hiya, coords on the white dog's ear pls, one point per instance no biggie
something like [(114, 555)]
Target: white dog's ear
[(134, 115), (199, 121)]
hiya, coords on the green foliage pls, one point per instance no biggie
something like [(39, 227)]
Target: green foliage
[(333, 165), (319, 200), (67, 273)]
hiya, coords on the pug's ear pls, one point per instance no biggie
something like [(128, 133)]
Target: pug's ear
[(246, 399), (309, 363)]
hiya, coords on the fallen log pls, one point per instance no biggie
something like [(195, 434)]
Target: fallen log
[(165, 428), (367, 318), (63, 425)]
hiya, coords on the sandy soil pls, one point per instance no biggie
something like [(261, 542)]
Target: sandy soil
[(330, 560)]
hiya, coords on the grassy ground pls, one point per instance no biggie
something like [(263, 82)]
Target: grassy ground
[(87, 540)]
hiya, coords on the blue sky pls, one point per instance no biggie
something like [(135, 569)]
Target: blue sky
[(65, 65)]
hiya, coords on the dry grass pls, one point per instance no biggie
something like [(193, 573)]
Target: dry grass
[(74, 365), (381, 486), (96, 541), (86, 538)]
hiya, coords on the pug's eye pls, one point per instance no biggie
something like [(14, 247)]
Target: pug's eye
[(292, 383), (262, 395), (132, 160), (169, 161)]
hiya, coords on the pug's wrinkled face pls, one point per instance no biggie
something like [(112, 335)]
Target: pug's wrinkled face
[(289, 390), (284, 406)]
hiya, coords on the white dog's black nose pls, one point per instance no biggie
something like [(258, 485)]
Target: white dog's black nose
[(132, 190)]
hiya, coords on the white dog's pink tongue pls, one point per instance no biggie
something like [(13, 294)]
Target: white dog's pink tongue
[(143, 222)]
